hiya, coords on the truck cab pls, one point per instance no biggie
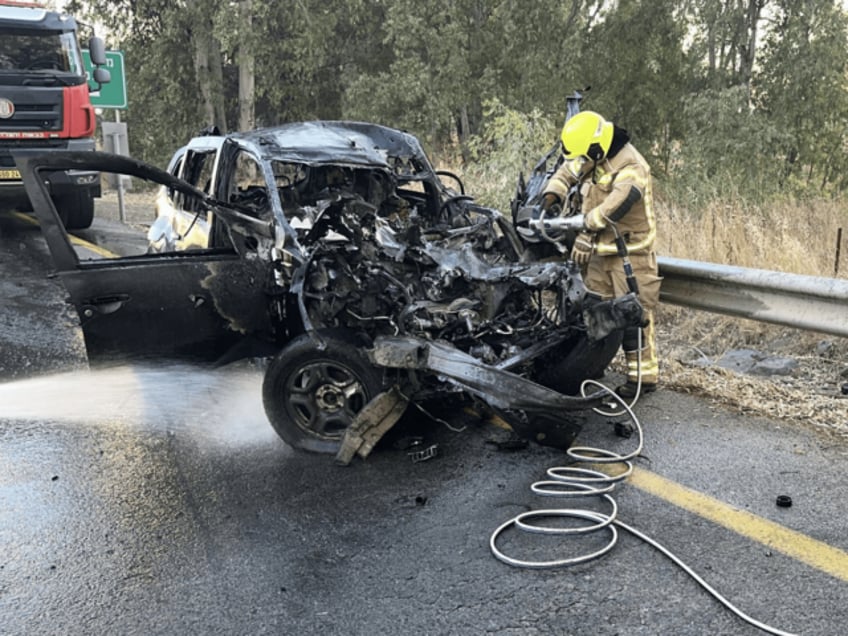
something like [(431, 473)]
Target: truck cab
[(44, 104)]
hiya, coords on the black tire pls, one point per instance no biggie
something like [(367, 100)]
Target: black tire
[(312, 396), (575, 361), (76, 209)]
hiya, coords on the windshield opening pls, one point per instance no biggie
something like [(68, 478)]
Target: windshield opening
[(40, 51)]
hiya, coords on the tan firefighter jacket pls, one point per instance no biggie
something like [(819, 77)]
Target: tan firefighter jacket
[(617, 192)]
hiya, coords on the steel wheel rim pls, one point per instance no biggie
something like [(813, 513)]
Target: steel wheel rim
[(323, 398)]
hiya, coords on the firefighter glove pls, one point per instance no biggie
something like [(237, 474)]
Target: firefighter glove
[(582, 250)]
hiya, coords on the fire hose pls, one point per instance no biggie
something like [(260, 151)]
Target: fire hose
[(573, 482)]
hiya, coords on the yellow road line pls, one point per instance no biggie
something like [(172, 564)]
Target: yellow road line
[(25, 217), (75, 240), (791, 543), (794, 544), (102, 251)]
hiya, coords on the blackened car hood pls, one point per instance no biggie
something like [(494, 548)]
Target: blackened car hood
[(338, 142)]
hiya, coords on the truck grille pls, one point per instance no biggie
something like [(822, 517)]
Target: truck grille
[(37, 109)]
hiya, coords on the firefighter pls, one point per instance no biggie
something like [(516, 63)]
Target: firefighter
[(614, 190)]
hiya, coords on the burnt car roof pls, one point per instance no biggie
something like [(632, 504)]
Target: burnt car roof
[(323, 142)]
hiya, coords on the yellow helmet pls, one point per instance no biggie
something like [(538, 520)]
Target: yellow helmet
[(586, 134)]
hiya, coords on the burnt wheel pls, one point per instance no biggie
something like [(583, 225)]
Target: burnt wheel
[(577, 360), (311, 396)]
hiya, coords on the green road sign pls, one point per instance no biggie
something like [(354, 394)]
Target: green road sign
[(113, 94)]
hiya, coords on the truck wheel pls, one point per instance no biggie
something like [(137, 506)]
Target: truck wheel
[(311, 396), (577, 360), (76, 209)]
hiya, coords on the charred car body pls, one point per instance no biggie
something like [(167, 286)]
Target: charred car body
[(337, 251)]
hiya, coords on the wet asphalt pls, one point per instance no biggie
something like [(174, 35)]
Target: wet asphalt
[(159, 501)]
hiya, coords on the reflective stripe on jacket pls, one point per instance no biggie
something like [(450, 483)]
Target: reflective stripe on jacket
[(617, 191)]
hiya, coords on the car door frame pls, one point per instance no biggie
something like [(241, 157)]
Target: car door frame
[(203, 305)]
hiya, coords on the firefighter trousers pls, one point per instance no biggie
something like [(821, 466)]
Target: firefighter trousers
[(605, 276)]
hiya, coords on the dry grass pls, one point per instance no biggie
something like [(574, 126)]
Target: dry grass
[(794, 404), (810, 396), (797, 237), (793, 237)]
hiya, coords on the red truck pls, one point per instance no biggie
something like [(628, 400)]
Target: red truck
[(44, 103)]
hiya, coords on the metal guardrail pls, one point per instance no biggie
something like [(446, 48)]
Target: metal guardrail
[(804, 302)]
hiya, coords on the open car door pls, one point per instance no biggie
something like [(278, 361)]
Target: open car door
[(200, 304)]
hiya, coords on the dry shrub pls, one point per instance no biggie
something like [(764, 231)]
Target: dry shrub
[(811, 395), (793, 403), (796, 237)]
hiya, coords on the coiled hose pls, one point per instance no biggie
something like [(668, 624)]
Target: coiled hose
[(574, 482)]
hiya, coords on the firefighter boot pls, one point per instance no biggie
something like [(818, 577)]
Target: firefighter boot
[(641, 364)]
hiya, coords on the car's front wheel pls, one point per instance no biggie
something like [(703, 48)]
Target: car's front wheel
[(312, 395), (566, 368)]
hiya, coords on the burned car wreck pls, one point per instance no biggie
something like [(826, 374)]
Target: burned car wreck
[(337, 251)]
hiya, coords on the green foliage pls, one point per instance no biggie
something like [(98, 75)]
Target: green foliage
[(508, 135), (438, 69), (741, 96), (509, 143), (724, 40), (157, 126), (728, 149), (802, 90), (535, 51), (634, 79)]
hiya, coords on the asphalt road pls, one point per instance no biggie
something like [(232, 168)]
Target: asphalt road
[(159, 501)]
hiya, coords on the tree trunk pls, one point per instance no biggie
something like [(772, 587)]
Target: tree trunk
[(208, 67), (247, 67), (464, 132), (216, 65), (201, 70), (749, 48)]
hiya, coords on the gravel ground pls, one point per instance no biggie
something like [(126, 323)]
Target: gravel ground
[(812, 394)]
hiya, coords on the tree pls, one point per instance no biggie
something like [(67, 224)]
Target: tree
[(437, 72), (208, 62), (635, 62), (725, 36), (802, 89), (538, 52), (727, 148), (704, 83), (171, 58)]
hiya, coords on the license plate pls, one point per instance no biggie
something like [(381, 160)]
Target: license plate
[(10, 174)]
